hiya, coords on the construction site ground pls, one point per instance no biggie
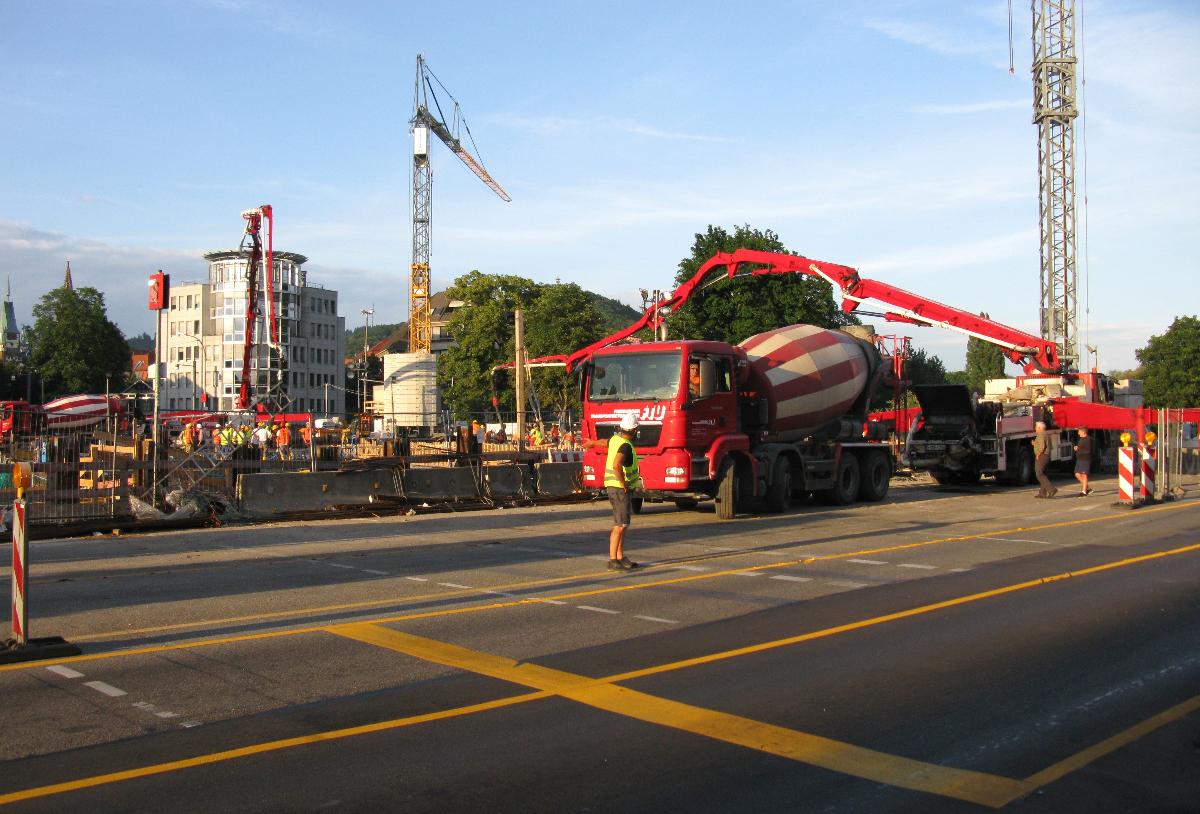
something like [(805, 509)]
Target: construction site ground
[(944, 650)]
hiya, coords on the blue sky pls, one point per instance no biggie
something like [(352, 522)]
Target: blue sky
[(884, 135)]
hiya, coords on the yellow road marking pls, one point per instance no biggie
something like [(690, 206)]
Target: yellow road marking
[(541, 583), (261, 748), (813, 747), (151, 649), (803, 747), (892, 617), (1080, 759)]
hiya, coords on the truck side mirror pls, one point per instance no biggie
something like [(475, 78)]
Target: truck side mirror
[(708, 378), (581, 380)]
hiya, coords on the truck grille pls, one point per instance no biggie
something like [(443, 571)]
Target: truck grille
[(647, 435)]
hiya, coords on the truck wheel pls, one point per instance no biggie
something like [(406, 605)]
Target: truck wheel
[(845, 484), (731, 490), (1025, 466), (876, 476), (685, 503), (635, 504), (942, 477), (779, 493)]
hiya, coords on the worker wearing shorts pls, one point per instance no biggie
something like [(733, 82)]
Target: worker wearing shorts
[(621, 477)]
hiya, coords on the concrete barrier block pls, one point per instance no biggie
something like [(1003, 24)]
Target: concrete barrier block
[(439, 483), (558, 479), (271, 493), (507, 480)]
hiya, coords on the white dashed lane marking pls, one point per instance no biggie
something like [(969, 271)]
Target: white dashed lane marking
[(339, 565), (372, 571), (595, 609), (65, 672), (748, 573), (868, 562), (117, 692), (790, 578), (915, 565), (417, 579), (693, 568), (656, 619), (455, 585), (1017, 540), (107, 689), (842, 583)]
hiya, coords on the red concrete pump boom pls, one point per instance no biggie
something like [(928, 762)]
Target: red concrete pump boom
[(1034, 353), (254, 227)]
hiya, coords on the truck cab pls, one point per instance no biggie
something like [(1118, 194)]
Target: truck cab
[(685, 397)]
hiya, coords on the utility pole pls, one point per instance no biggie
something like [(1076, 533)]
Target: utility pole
[(1054, 113), (519, 338)]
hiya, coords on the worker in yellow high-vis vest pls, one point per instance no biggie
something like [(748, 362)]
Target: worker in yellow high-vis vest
[(621, 478)]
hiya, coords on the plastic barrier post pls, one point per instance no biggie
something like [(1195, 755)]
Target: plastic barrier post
[(20, 647), (20, 562), (1149, 467), (1125, 473)]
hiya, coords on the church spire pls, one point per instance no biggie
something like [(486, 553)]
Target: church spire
[(67, 284)]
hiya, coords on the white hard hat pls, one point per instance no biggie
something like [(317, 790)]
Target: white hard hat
[(629, 422)]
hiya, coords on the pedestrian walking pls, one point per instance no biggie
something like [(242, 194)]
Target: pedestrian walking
[(621, 479), (1083, 460), (1041, 459)]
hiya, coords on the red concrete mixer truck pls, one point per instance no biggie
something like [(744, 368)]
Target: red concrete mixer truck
[(778, 416)]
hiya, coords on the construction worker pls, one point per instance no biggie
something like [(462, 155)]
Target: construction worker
[(535, 436), (227, 436), (1041, 460), (621, 478)]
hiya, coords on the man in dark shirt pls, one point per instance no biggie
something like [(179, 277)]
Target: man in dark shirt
[(1041, 459), (1083, 460)]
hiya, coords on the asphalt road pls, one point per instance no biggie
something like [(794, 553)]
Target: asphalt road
[(946, 650)]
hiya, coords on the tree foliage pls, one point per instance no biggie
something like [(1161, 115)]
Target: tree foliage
[(732, 310), (74, 346), (559, 318), (984, 361), (1171, 365)]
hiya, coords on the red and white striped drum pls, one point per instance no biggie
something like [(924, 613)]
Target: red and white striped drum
[(80, 411), (809, 375)]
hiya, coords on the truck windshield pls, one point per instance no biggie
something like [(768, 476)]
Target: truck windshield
[(635, 377)]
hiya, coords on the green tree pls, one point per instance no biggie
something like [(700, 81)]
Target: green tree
[(732, 310), (73, 345), (483, 338), (984, 361), (563, 319), (1171, 365), (922, 367)]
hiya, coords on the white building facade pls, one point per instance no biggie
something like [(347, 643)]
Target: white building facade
[(203, 339)]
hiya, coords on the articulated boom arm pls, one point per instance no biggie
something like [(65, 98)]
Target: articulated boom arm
[(1035, 353), (254, 224)]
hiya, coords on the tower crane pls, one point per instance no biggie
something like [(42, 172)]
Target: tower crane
[(426, 119), (1054, 113)]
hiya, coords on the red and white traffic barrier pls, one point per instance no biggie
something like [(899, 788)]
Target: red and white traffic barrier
[(20, 574), (1125, 474), (562, 456), (1149, 468)]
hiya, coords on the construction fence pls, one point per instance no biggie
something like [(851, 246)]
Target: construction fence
[(108, 470)]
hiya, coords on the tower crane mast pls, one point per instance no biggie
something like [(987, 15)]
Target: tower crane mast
[(1054, 112), (426, 119)]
